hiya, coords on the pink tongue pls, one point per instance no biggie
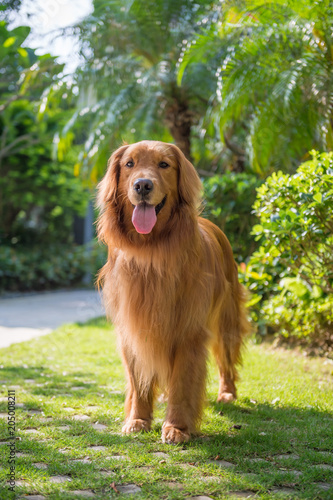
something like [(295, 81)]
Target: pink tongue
[(144, 218)]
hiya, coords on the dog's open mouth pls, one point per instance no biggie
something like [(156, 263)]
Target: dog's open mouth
[(145, 216)]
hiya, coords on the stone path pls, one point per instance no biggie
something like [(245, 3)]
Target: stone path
[(129, 489), (32, 315), (91, 452)]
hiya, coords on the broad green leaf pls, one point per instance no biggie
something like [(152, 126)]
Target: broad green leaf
[(22, 52), (254, 300), (316, 292), (257, 229), (294, 285), (10, 41)]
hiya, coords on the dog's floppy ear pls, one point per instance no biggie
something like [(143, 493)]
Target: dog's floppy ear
[(189, 184), (107, 188)]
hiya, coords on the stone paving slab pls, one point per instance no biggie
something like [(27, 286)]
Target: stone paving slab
[(325, 486), (284, 491), (83, 493), (258, 460), (290, 456), (222, 463), (107, 473), (160, 454), (128, 489), (59, 479), (296, 473), (324, 466), (200, 497), (99, 427), (175, 486), (208, 479), (40, 465), (243, 494), (32, 497), (98, 448), (80, 417)]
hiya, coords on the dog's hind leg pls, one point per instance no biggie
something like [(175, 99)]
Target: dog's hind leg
[(227, 356), (232, 328)]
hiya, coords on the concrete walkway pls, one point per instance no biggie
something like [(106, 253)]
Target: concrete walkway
[(32, 315)]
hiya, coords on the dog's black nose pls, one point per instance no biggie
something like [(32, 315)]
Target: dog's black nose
[(143, 186)]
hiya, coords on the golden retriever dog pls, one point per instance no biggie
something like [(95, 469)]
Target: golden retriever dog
[(170, 286)]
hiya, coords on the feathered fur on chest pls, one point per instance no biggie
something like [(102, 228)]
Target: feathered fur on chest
[(148, 301)]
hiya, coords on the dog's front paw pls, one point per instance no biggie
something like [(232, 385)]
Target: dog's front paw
[(173, 435), (136, 425), (226, 397)]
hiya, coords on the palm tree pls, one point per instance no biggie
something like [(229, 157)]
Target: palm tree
[(276, 79), (127, 84)]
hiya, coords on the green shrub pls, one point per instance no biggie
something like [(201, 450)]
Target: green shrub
[(292, 272), (51, 266), (228, 203), (39, 195)]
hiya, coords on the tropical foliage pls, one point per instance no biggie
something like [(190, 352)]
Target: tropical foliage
[(274, 79), (228, 203), (128, 81)]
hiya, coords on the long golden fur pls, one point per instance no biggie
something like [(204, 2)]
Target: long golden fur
[(172, 292)]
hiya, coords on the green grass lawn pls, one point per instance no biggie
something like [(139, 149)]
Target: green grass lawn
[(276, 440)]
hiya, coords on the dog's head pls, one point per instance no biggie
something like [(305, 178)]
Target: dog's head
[(146, 185)]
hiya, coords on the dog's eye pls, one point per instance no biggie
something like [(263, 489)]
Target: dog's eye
[(163, 164), (130, 164)]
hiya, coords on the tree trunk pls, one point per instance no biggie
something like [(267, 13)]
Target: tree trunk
[(179, 119), (179, 123), (238, 161)]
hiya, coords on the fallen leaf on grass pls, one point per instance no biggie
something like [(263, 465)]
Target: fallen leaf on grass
[(113, 486)]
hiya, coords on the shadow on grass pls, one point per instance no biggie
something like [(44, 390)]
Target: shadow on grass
[(240, 433), (264, 430), (259, 428), (54, 384)]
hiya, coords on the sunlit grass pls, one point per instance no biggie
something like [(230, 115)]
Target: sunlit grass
[(284, 408)]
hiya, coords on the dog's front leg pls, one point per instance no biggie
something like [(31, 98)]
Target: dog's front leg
[(139, 400), (186, 391)]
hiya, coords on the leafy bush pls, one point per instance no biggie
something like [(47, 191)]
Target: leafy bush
[(44, 267), (38, 195), (292, 272), (39, 199), (228, 203)]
